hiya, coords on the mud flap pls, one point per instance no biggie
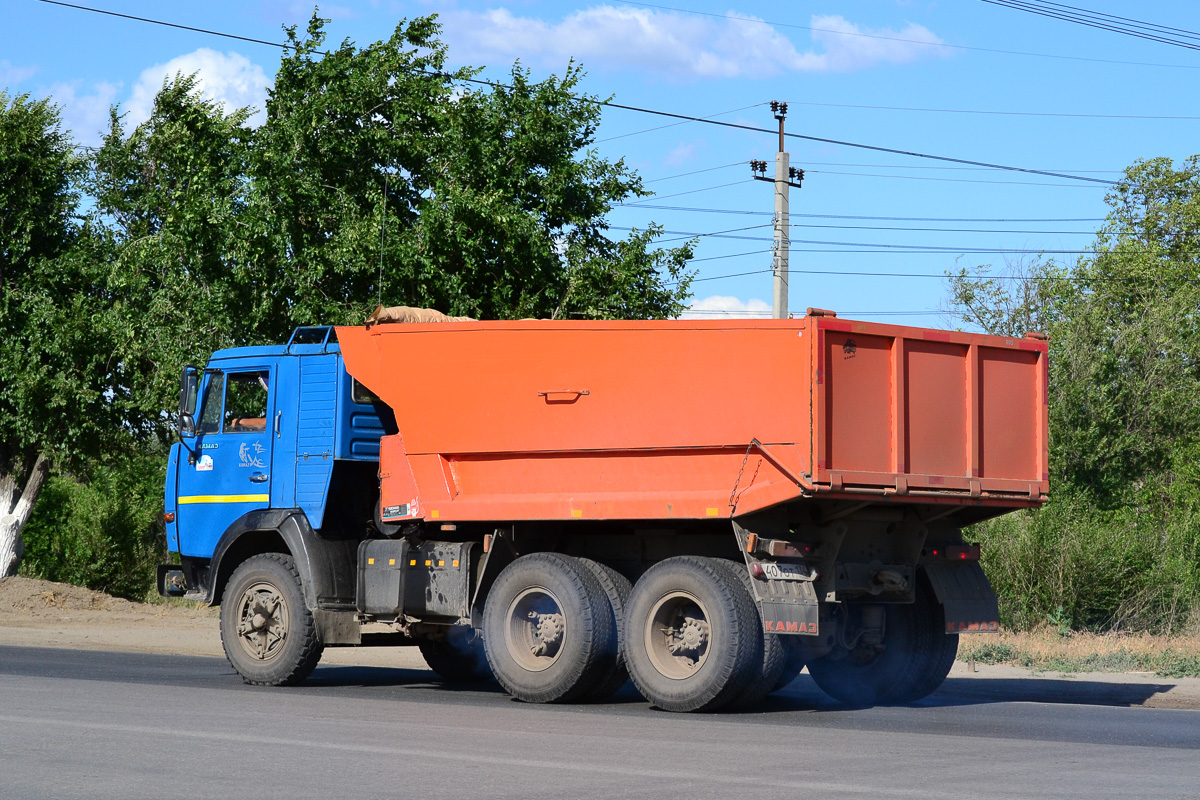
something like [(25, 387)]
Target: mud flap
[(783, 589), (788, 606), (966, 596)]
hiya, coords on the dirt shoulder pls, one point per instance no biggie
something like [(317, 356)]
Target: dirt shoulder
[(43, 614), (37, 613)]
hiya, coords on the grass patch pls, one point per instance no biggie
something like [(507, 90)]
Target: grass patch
[(1051, 651)]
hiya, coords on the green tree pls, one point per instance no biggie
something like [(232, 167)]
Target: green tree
[(1124, 399), (171, 198), (378, 177), (52, 363)]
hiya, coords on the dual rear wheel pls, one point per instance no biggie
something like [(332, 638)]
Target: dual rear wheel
[(562, 629)]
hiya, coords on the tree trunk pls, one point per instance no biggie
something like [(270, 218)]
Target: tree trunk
[(16, 505)]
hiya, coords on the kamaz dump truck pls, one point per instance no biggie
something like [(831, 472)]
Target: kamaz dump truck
[(705, 507)]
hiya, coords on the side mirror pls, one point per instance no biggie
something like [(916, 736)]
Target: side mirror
[(189, 385)]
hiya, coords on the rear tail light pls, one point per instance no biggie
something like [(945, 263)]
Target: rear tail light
[(963, 552)]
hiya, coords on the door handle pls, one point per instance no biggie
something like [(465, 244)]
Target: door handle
[(259, 477)]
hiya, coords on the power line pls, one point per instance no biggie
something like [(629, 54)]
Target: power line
[(734, 275), (676, 124), (725, 234), (922, 248), (860, 146), (911, 41), (727, 255), (638, 109), (994, 113), (937, 230), (864, 217), (635, 204), (954, 169), (951, 180), (1095, 19), (715, 234), (695, 172)]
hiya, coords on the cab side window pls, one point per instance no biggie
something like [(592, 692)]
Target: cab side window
[(210, 415), (246, 401)]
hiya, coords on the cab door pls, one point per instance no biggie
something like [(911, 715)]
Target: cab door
[(230, 471)]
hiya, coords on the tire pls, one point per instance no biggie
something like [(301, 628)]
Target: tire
[(939, 648), (693, 635), (774, 653), (458, 657), (548, 629), (266, 629), (916, 658), (617, 587)]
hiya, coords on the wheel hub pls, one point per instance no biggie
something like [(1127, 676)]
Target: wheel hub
[(548, 630), (689, 638), (536, 629), (263, 625), (679, 635)]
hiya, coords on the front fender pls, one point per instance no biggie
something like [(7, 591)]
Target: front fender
[(327, 567)]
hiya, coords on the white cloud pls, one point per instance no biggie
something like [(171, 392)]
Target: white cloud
[(679, 46), (682, 153), (10, 75), (85, 115), (853, 48), (726, 307), (229, 78)]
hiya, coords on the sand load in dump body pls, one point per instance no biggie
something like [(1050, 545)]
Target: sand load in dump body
[(692, 420)]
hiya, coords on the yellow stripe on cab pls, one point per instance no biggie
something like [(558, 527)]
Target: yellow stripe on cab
[(223, 498)]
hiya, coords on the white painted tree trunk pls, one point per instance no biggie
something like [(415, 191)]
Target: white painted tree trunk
[(16, 505)]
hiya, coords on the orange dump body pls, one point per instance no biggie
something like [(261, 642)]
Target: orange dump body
[(547, 420)]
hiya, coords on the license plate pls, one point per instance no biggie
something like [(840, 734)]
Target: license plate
[(785, 572)]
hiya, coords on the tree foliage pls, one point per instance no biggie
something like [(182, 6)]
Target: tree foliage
[(52, 362), (377, 176), (1124, 390)]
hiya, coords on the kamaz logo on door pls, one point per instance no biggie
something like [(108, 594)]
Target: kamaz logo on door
[(774, 626)]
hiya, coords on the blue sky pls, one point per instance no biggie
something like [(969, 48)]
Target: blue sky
[(853, 71)]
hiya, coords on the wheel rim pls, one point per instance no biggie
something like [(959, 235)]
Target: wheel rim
[(536, 629), (679, 635), (262, 621)]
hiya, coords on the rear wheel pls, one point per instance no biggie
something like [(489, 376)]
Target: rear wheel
[(548, 629), (939, 648), (912, 661), (774, 653), (693, 636), (266, 629), (458, 657), (617, 587)]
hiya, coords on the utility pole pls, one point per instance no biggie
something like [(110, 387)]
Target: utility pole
[(784, 175)]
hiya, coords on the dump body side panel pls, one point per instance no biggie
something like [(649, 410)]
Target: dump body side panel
[(543, 420), (912, 411)]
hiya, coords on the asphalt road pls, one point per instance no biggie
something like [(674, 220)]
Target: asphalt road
[(94, 725)]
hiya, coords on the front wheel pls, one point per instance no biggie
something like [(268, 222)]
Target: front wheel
[(266, 629)]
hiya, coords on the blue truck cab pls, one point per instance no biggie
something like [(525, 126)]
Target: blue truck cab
[(272, 439)]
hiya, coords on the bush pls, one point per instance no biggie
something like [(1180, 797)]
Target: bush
[(105, 533), (1073, 565)]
